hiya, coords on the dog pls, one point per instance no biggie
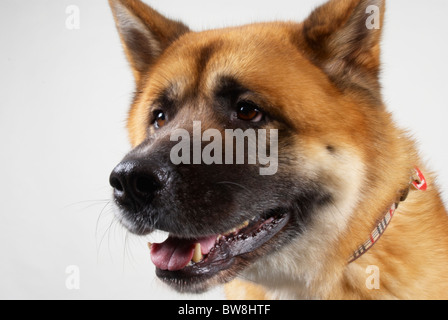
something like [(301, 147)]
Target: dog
[(350, 211)]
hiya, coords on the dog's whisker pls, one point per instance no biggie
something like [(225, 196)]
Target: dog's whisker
[(125, 251), (107, 233), (100, 215), (101, 240), (235, 184), (92, 203)]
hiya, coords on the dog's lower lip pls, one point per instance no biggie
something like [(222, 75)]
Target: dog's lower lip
[(227, 250)]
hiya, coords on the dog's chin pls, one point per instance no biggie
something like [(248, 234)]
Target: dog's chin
[(232, 253)]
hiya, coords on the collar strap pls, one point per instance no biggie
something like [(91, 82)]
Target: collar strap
[(418, 181)]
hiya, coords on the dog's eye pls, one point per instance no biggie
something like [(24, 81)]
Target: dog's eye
[(248, 111), (159, 119)]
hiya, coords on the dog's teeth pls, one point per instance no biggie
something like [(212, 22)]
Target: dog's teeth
[(236, 229), (149, 245), (244, 225), (229, 232), (197, 256), (241, 226)]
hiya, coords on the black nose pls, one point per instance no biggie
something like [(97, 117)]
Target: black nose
[(134, 183)]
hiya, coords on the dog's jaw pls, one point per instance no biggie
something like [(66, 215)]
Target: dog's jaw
[(300, 269)]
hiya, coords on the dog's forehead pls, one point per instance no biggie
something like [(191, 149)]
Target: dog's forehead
[(261, 58), (198, 61)]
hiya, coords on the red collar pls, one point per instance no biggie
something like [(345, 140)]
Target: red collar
[(418, 181)]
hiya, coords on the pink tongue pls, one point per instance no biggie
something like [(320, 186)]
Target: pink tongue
[(175, 254)]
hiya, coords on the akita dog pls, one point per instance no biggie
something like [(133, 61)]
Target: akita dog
[(350, 211)]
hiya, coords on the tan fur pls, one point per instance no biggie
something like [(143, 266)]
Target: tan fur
[(323, 78), (244, 290)]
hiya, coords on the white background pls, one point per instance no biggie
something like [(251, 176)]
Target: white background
[(64, 96)]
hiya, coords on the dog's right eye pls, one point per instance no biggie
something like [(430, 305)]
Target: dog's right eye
[(159, 119), (248, 111)]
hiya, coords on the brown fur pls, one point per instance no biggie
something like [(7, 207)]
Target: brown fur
[(323, 81)]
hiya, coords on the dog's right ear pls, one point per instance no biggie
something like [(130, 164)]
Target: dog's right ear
[(144, 32), (339, 38)]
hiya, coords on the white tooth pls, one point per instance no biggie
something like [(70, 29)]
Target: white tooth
[(244, 225), (235, 230), (197, 256)]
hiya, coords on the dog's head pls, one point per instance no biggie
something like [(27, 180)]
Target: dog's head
[(299, 93)]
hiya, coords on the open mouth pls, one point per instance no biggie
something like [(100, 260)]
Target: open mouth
[(182, 261)]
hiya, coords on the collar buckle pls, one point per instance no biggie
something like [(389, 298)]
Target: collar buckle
[(419, 181)]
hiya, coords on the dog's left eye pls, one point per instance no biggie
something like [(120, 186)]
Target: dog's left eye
[(248, 111), (159, 119)]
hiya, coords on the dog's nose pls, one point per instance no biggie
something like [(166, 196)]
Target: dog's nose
[(134, 184)]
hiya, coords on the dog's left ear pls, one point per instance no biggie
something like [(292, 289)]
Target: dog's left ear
[(342, 37), (144, 32)]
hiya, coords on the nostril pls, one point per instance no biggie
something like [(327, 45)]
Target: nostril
[(116, 184)]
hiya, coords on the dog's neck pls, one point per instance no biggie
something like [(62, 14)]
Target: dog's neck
[(418, 182), (307, 259)]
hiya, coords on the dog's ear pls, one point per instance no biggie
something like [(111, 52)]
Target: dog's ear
[(144, 32), (342, 37)]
